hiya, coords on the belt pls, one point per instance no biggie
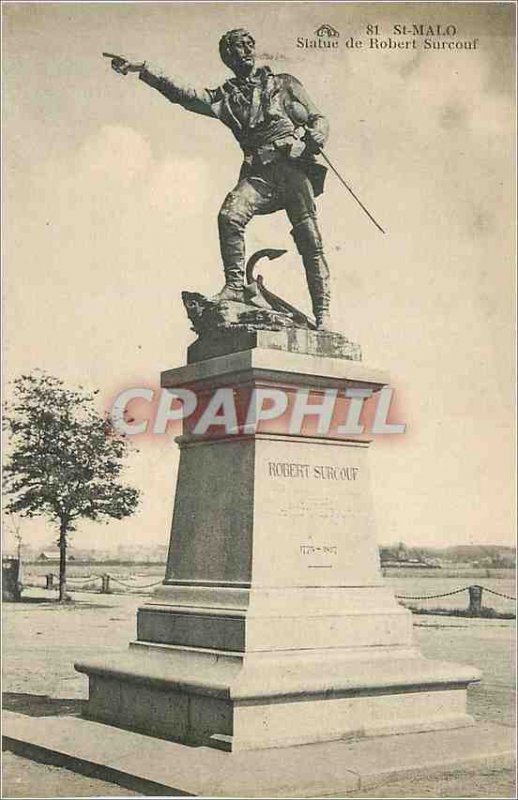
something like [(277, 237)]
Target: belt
[(291, 145)]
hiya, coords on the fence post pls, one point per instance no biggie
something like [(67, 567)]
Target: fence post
[(105, 588), (50, 580), (475, 600)]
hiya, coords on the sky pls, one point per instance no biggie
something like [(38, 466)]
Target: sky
[(110, 202)]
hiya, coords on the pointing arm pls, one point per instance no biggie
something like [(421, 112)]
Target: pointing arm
[(197, 100)]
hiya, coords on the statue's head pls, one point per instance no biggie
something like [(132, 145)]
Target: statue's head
[(237, 51)]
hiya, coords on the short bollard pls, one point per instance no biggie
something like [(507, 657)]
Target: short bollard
[(11, 579), (105, 588), (475, 600), (49, 581)]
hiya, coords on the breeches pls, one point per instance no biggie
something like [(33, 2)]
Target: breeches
[(264, 190)]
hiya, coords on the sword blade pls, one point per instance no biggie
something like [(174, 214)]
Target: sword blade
[(331, 165)]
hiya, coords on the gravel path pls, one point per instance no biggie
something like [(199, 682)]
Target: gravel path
[(25, 778)]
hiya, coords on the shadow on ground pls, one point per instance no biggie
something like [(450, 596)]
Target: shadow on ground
[(40, 705), (51, 602), (28, 600)]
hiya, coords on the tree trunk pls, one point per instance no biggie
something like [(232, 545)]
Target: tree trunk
[(62, 561)]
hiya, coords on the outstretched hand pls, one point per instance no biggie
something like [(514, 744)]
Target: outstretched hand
[(122, 65)]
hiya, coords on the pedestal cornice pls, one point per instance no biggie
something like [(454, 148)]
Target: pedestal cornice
[(276, 366)]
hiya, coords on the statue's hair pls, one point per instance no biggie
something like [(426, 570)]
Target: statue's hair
[(228, 39)]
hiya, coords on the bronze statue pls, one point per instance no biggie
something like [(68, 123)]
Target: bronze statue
[(280, 131)]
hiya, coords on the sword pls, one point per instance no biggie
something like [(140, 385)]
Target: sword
[(331, 165)]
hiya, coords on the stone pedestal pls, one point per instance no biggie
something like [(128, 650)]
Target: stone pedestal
[(273, 626)]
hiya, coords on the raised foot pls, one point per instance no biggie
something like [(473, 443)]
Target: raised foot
[(235, 293), (250, 295)]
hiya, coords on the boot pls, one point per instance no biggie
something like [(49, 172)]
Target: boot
[(243, 294), (309, 244), (317, 275), (229, 292), (323, 321), (234, 288), (231, 227)]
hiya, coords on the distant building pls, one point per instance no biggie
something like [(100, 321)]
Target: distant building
[(409, 562), (52, 557), (134, 554)]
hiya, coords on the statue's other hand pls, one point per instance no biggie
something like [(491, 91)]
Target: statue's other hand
[(297, 148), (316, 137)]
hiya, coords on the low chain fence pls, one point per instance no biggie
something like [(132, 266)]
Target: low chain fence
[(101, 583), (109, 584), (474, 608)]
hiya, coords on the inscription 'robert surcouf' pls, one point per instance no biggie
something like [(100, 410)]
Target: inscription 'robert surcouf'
[(290, 469)]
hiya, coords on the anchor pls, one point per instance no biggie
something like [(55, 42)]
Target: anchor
[(256, 287)]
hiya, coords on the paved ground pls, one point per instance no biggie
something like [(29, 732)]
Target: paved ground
[(41, 642)]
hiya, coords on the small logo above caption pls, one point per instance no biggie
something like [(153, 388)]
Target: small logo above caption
[(325, 38)]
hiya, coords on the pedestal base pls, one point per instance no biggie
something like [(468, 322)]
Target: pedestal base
[(242, 668), (234, 703), (273, 626)]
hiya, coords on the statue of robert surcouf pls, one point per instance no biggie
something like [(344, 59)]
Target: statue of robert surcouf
[(280, 131)]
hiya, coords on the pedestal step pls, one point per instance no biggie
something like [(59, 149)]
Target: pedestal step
[(154, 767), (238, 703)]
